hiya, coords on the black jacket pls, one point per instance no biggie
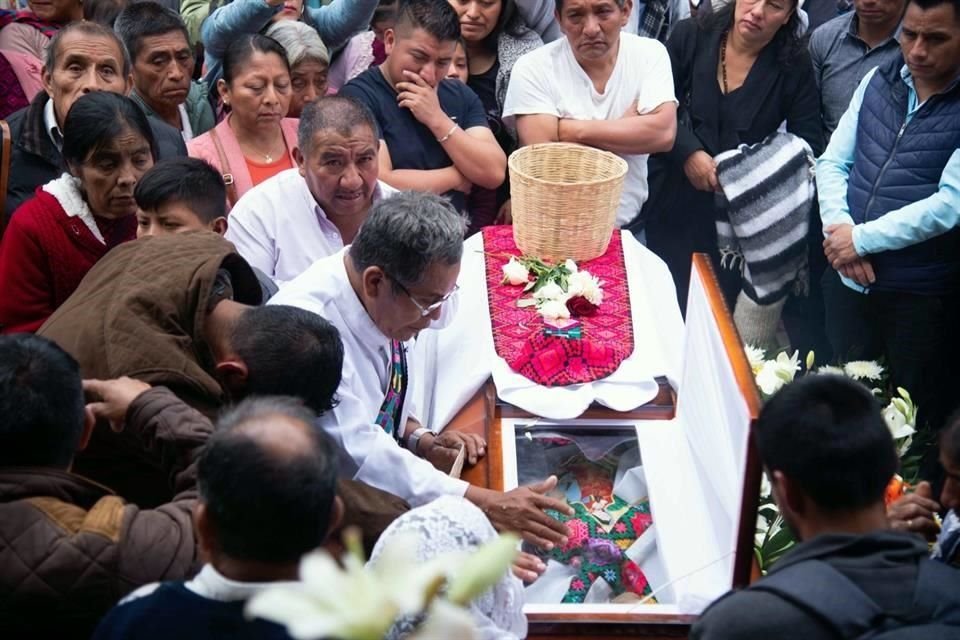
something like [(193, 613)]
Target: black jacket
[(883, 564), (679, 219), (35, 160)]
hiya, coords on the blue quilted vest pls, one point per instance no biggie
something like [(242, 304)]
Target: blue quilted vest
[(896, 164)]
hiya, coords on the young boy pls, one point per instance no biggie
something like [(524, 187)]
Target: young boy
[(186, 194), (180, 194)]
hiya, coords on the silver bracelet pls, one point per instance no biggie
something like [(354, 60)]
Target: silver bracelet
[(449, 133), (413, 440)]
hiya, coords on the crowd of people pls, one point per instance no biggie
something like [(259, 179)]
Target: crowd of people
[(226, 223)]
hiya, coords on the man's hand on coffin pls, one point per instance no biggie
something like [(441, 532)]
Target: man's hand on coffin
[(475, 447), (838, 245), (860, 271), (914, 513), (528, 567), (112, 398), (522, 510), (442, 458)]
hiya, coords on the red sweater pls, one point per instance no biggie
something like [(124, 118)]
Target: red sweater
[(43, 257)]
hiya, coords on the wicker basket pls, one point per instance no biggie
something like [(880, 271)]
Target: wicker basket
[(564, 200)]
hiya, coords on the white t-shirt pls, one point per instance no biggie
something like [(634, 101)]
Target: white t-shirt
[(550, 81), (280, 229)]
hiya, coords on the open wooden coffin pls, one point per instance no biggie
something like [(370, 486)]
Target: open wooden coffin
[(696, 475)]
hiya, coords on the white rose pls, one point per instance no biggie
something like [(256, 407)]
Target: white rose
[(550, 291), (553, 310), (515, 273), (570, 265), (583, 283)]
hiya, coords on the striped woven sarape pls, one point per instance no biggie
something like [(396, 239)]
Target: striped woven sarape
[(769, 189)]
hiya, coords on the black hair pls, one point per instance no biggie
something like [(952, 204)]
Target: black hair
[(386, 10), (144, 19), (340, 113), (240, 51), (559, 3), (790, 40), (188, 180), (41, 400), (290, 351), (91, 30), (826, 433), (267, 505), (96, 118), (509, 21), (436, 17), (103, 12), (926, 5), (950, 438)]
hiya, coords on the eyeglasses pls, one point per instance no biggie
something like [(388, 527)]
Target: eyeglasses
[(430, 308)]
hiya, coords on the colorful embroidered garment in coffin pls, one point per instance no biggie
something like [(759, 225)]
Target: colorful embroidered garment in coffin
[(598, 553), (392, 408), (607, 337)]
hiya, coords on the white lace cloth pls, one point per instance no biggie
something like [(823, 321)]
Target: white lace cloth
[(454, 524)]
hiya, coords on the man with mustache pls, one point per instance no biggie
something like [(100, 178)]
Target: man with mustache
[(286, 223), (889, 190), (163, 68), (82, 57), (598, 87)]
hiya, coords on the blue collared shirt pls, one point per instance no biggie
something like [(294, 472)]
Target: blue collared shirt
[(903, 227)]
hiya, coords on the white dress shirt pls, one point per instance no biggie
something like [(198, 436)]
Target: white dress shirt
[(372, 455), (279, 228)]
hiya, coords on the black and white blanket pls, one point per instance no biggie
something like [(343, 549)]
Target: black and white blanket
[(769, 189)]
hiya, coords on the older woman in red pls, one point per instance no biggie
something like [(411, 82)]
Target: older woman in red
[(56, 237)]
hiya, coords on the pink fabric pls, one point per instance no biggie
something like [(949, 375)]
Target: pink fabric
[(356, 58), (27, 69), (549, 360), (203, 147)]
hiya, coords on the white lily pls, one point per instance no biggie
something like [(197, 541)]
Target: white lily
[(570, 265), (483, 568), (755, 356), (356, 602), (446, 621), (774, 374)]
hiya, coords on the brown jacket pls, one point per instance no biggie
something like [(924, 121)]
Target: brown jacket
[(140, 313), (70, 548)]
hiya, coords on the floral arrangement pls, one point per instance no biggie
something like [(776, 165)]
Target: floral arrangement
[(362, 602), (773, 539), (558, 291)]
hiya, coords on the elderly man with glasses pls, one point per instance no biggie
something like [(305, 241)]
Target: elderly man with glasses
[(397, 278)]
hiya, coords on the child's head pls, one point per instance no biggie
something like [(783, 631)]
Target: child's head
[(384, 17), (180, 194), (459, 66)]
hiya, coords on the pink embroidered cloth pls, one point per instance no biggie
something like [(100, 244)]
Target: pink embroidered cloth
[(552, 360)]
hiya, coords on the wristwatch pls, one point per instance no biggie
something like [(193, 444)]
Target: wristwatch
[(413, 440)]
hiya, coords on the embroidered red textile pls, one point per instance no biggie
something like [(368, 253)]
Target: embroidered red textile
[(554, 361)]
